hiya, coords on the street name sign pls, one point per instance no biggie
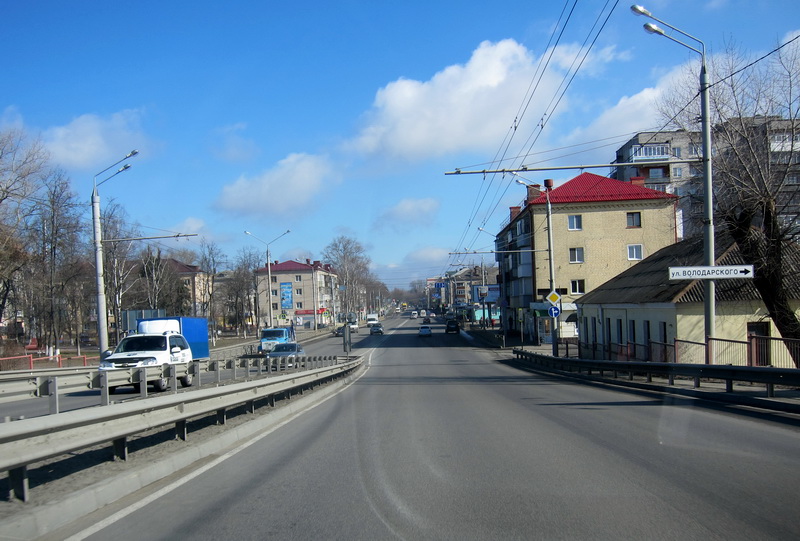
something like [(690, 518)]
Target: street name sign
[(717, 272)]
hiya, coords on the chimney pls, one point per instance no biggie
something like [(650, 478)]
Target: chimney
[(534, 191), (514, 211)]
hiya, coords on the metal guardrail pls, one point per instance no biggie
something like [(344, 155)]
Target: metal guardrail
[(27, 441), (770, 377)]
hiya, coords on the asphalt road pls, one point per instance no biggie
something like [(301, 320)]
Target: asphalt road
[(440, 440)]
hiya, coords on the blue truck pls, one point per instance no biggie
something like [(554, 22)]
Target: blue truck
[(194, 329), (269, 338)]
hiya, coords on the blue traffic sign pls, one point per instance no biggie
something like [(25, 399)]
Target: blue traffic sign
[(554, 311)]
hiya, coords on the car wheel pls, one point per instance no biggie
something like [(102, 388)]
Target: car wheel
[(161, 385), (187, 380)]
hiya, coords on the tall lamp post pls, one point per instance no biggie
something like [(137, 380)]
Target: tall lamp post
[(548, 185), (705, 118), (102, 316), (269, 269)]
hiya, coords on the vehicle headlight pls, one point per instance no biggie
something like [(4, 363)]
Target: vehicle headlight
[(149, 361), (106, 364)]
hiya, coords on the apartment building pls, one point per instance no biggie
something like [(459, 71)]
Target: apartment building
[(301, 294), (678, 171), (600, 227)]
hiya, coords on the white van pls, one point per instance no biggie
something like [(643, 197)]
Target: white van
[(422, 313), (414, 314)]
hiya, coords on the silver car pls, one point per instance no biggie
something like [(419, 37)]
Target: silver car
[(285, 354)]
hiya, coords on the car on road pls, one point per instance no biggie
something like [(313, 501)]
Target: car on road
[(140, 350), (285, 354), (424, 331), (353, 326), (338, 331), (452, 326), (376, 328), (426, 320)]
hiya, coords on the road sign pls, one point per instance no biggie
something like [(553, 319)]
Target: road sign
[(711, 273), (553, 297), (554, 311), (440, 285)]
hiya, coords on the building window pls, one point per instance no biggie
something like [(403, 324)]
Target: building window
[(274, 292), (298, 305), (274, 279), (656, 172), (298, 278), (575, 222), (275, 306), (634, 219), (298, 291), (577, 287), (676, 151), (677, 172), (576, 255), (695, 150), (793, 179), (634, 252)]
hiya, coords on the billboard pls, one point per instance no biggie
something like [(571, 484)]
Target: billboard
[(488, 293), (286, 296)]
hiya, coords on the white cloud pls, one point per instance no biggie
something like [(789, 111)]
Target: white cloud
[(11, 119), (469, 107), (91, 140), (427, 256), (462, 107), (283, 190), (408, 214), (231, 146)]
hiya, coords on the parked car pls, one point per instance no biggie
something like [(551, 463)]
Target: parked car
[(424, 331), (452, 326), (286, 353), (376, 328)]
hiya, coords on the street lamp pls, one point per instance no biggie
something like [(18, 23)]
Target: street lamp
[(269, 270), (705, 117), (548, 184), (102, 316)]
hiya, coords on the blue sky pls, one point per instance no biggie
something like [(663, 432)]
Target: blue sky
[(341, 117)]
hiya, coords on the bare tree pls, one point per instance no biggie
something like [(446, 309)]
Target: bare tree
[(22, 166), (211, 258), (240, 291), (55, 230), (756, 138), (351, 264), (119, 259)]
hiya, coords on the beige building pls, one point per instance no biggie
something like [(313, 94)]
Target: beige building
[(301, 293), (601, 227), (639, 314), (669, 162)]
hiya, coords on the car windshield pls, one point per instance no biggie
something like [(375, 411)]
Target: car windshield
[(142, 343), (285, 347), (272, 333)]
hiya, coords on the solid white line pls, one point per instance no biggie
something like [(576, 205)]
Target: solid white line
[(111, 519)]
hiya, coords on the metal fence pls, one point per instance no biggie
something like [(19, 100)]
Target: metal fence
[(756, 351)]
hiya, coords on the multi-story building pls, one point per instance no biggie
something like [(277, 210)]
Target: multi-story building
[(601, 227), (301, 293), (678, 171), (758, 158)]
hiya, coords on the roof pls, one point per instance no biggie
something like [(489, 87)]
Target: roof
[(296, 266), (591, 188), (648, 281)]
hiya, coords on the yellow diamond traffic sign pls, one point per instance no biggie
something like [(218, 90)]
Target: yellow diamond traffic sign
[(553, 297)]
